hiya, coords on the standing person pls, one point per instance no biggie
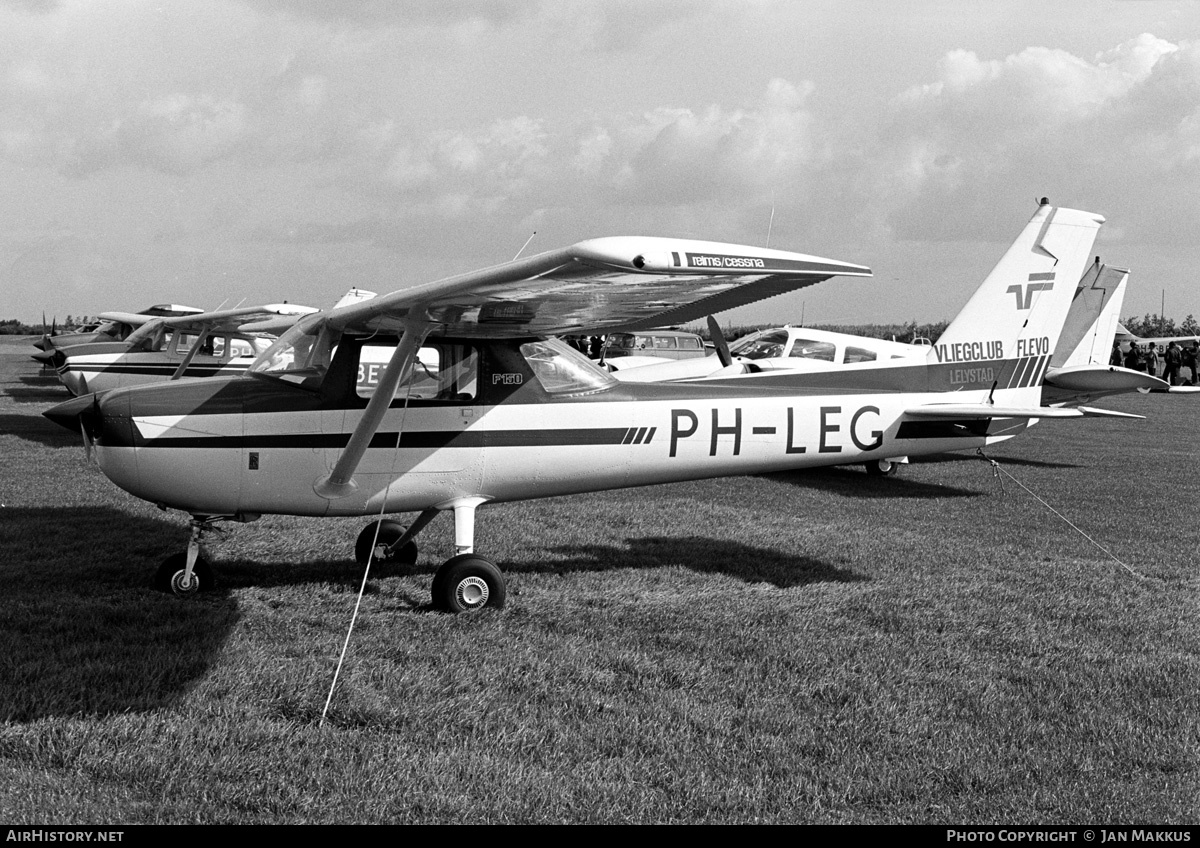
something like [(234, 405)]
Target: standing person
[(1152, 359), (1191, 357), (1133, 358), (1117, 357), (1173, 360)]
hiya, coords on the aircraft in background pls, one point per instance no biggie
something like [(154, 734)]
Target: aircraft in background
[(450, 395), (1124, 337), (114, 327), (776, 349), (206, 344), (1078, 371)]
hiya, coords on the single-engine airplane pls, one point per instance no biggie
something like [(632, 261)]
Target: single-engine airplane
[(450, 395), (114, 327), (206, 344)]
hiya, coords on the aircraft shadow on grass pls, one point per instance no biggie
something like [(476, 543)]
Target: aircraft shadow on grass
[(35, 428), (855, 484), (85, 634), (37, 390), (1003, 460), (700, 554)]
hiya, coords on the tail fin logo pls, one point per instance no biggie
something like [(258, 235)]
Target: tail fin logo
[(1024, 293)]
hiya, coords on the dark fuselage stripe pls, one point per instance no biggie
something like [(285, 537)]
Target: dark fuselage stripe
[(421, 439)]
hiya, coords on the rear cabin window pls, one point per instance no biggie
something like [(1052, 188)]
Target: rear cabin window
[(664, 342), (690, 343), (447, 372), (859, 354)]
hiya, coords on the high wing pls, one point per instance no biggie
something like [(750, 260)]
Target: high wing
[(222, 320), (159, 310), (601, 285), (133, 319), (275, 325)]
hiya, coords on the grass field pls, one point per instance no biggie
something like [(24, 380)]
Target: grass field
[(820, 647)]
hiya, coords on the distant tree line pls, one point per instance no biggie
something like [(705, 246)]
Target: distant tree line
[(13, 327), (1150, 326), (891, 332)]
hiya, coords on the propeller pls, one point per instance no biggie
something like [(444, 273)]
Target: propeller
[(81, 414), (718, 338)]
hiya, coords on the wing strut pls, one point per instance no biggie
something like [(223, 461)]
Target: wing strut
[(339, 483), (191, 354)]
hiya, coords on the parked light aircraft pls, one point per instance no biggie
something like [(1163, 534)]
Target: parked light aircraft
[(114, 327), (1078, 372), (476, 404), (1124, 337), (202, 345), (206, 344)]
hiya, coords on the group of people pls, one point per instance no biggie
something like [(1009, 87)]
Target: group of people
[(1166, 362)]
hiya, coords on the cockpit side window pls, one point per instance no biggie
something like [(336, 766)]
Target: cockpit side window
[(447, 372), (813, 349)]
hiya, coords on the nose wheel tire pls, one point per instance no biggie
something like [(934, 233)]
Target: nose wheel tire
[(389, 533), (170, 576), (467, 583)]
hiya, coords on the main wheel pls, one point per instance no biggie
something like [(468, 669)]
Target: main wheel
[(169, 577), (466, 583), (389, 533), (882, 467)]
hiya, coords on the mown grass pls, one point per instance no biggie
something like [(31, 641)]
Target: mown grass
[(803, 647)]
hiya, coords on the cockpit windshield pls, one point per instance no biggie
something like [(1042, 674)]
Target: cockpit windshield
[(563, 370), (301, 355)]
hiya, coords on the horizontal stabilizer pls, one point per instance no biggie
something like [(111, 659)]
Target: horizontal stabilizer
[(1094, 412), (973, 411), (1103, 378), (987, 410)]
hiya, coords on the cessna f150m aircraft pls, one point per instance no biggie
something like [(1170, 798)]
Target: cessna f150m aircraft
[(450, 395)]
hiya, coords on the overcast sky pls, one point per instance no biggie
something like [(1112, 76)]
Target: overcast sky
[(221, 150)]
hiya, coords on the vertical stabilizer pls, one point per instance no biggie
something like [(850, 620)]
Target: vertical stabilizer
[(1087, 338), (1005, 335)]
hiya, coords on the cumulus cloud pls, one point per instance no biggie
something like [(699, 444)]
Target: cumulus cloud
[(1046, 119), (666, 156)]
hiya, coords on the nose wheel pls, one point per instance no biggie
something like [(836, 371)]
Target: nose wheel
[(186, 574), (174, 578)]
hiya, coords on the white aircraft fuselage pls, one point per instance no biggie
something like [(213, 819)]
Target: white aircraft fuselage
[(256, 444)]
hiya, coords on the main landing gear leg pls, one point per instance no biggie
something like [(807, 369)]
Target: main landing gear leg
[(187, 573), (467, 582)]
